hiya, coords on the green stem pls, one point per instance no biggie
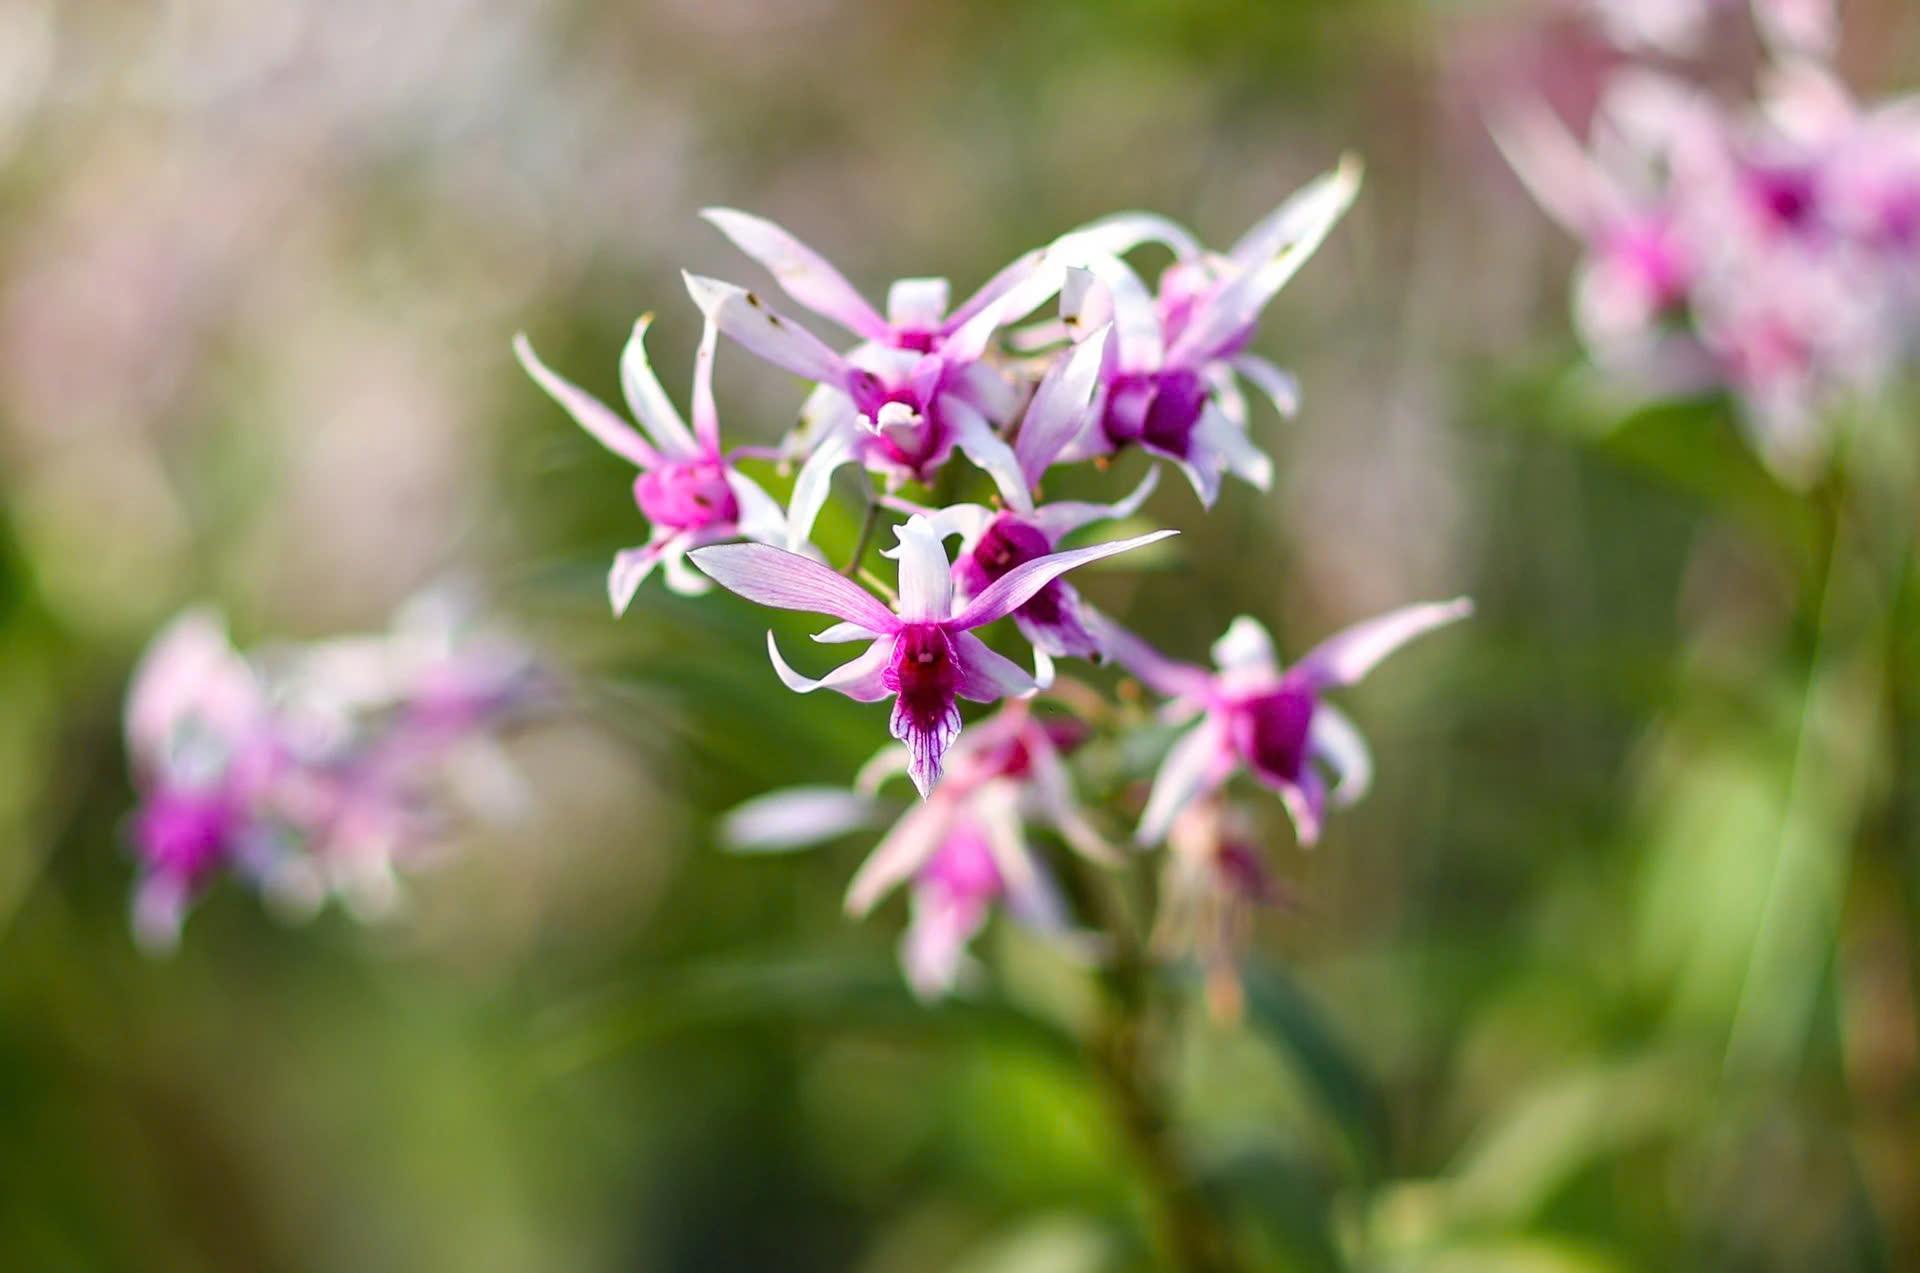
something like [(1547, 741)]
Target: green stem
[(868, 526), (1192, 1236)]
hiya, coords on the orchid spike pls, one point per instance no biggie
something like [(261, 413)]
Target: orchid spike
[(925, 657), (688, 488), (1167, 378), (1252, 714)]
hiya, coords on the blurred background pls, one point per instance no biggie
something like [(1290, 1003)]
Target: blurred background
[(260, 263)]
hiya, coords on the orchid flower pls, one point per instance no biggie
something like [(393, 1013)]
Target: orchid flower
[(1252, 714), (688, 487), (1630, 200), (204, 757), (961, 852), (925, 657), (892, 409), (1168, 375), (1214, 881), (917, 319)]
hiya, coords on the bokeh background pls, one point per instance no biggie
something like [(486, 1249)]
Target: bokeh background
[(260, 262)]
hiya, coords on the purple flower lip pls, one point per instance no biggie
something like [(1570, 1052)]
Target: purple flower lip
[(1159, 409), (964, 868), (1270, 731), (184, 834)]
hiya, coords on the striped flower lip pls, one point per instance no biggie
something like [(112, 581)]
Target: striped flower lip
[(924, 657)]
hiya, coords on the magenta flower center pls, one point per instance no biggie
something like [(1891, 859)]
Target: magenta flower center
[(964, 868), (687, 496), (923, 674), (1649, 251), (1269, 731), (1158, 409), (184, 834), (1786, 196), (919, 340)]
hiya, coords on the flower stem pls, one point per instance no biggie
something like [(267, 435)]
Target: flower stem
[(868, 525), (1192, 1237)]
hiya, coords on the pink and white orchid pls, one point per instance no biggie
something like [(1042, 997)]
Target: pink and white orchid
[(925, 657), (1251, 714), (1168, 377), (962, 851), (894, 410), (688, 487)]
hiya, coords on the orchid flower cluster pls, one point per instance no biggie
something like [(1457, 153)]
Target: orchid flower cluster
[(1770, 249), (1066, 356), (318, 770)]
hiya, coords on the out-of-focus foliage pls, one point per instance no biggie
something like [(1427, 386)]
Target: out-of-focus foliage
[(1615, 970)]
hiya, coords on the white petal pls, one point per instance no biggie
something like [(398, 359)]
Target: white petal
[(917, 304), (859, 679), (815, 483), (1063, 517), (631, 566), (899, 854), (1245, 648), (649, 402), (802, 272), (794, 818), (926, 576), (608, 429), (1350, 654), (1281, 387), (1335, 740), (988, 450)]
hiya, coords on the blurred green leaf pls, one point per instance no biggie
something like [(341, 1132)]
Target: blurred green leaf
[(1287, 1205), (1281, 1011)]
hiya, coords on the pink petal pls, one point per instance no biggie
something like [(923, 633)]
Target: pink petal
[(1198, 762), (988, 450), (1015, 588), (1246, 648), (769, 335), (631, 566), (1122, 232), (899, 854), (861, 679), (801, 272), (1061, 406), (1306, 805), (1281, 387), (1020, 288), (706, 418), (787, 581), (1063, 517), (608, 429), (1305, 217), (987, 677), (1336, 743), (189, 671), (1167, 677), (1346, 656), (933, 950)]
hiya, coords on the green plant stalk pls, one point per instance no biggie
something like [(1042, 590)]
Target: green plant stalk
[(1192, 1236)]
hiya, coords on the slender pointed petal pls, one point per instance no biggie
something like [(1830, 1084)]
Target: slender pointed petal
[(792, 819), (631, 566), (841, 633), (769, 335), (1020, 287), (1334, 739), (1225, 317), (649, 402), (917, 304), (1121, 232), (815, 483), (987, 677), (926, 576), (801, 272), (1281, 387), (901, 852), (1167, 677), (1193, 766), (761, 516), (988, 450), (1063, 517), (682, 578), (1245, 648), (1221, 446), (1053, 791), (1061, 406), (1306, 805), (1554, 167), (189, 670), (1015, 588), (706, 418), (608, 429), (1346, 656), (861, 679), (1136, 321), (1308, 214), (788, 581), (933, 949)]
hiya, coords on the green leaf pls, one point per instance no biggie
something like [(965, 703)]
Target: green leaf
[(1343, 1087)]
